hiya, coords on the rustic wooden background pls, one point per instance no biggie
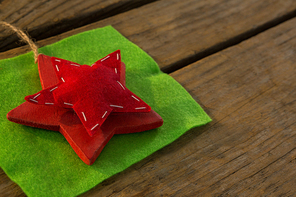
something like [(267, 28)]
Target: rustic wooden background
[(236, 58)]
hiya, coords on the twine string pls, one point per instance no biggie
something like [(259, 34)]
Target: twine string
[(23, 36)]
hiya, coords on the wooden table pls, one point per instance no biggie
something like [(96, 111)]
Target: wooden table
[(236, 58)]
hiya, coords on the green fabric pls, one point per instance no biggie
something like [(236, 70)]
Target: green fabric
[(42, 162)]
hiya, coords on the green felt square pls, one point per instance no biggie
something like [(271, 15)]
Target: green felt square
[(42, 163)]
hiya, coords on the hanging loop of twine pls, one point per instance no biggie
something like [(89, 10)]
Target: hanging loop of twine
[(24, 37)]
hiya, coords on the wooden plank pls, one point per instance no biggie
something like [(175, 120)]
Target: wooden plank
[(203, 151), (176, 33), (250, 147), (46, 18), (9, 188)]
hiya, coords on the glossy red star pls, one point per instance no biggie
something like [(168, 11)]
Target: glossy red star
[(87, 104)]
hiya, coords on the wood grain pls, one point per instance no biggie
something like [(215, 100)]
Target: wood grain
[(248, 90), (250, 148), (176, 33), (46, 18), (9, 188)]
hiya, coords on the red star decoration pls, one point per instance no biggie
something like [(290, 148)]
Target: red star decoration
[(92, 91), (88, 105)]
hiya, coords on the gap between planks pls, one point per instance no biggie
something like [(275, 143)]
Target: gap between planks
[(60, 22), (177, 33), (231, 42)]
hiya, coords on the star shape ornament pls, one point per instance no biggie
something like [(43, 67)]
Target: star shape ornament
[(87, 104), (92, 91)]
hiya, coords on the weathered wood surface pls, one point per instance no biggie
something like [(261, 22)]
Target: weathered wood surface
[(248, 90), (250, 147), (176, 33), (46, 18)]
